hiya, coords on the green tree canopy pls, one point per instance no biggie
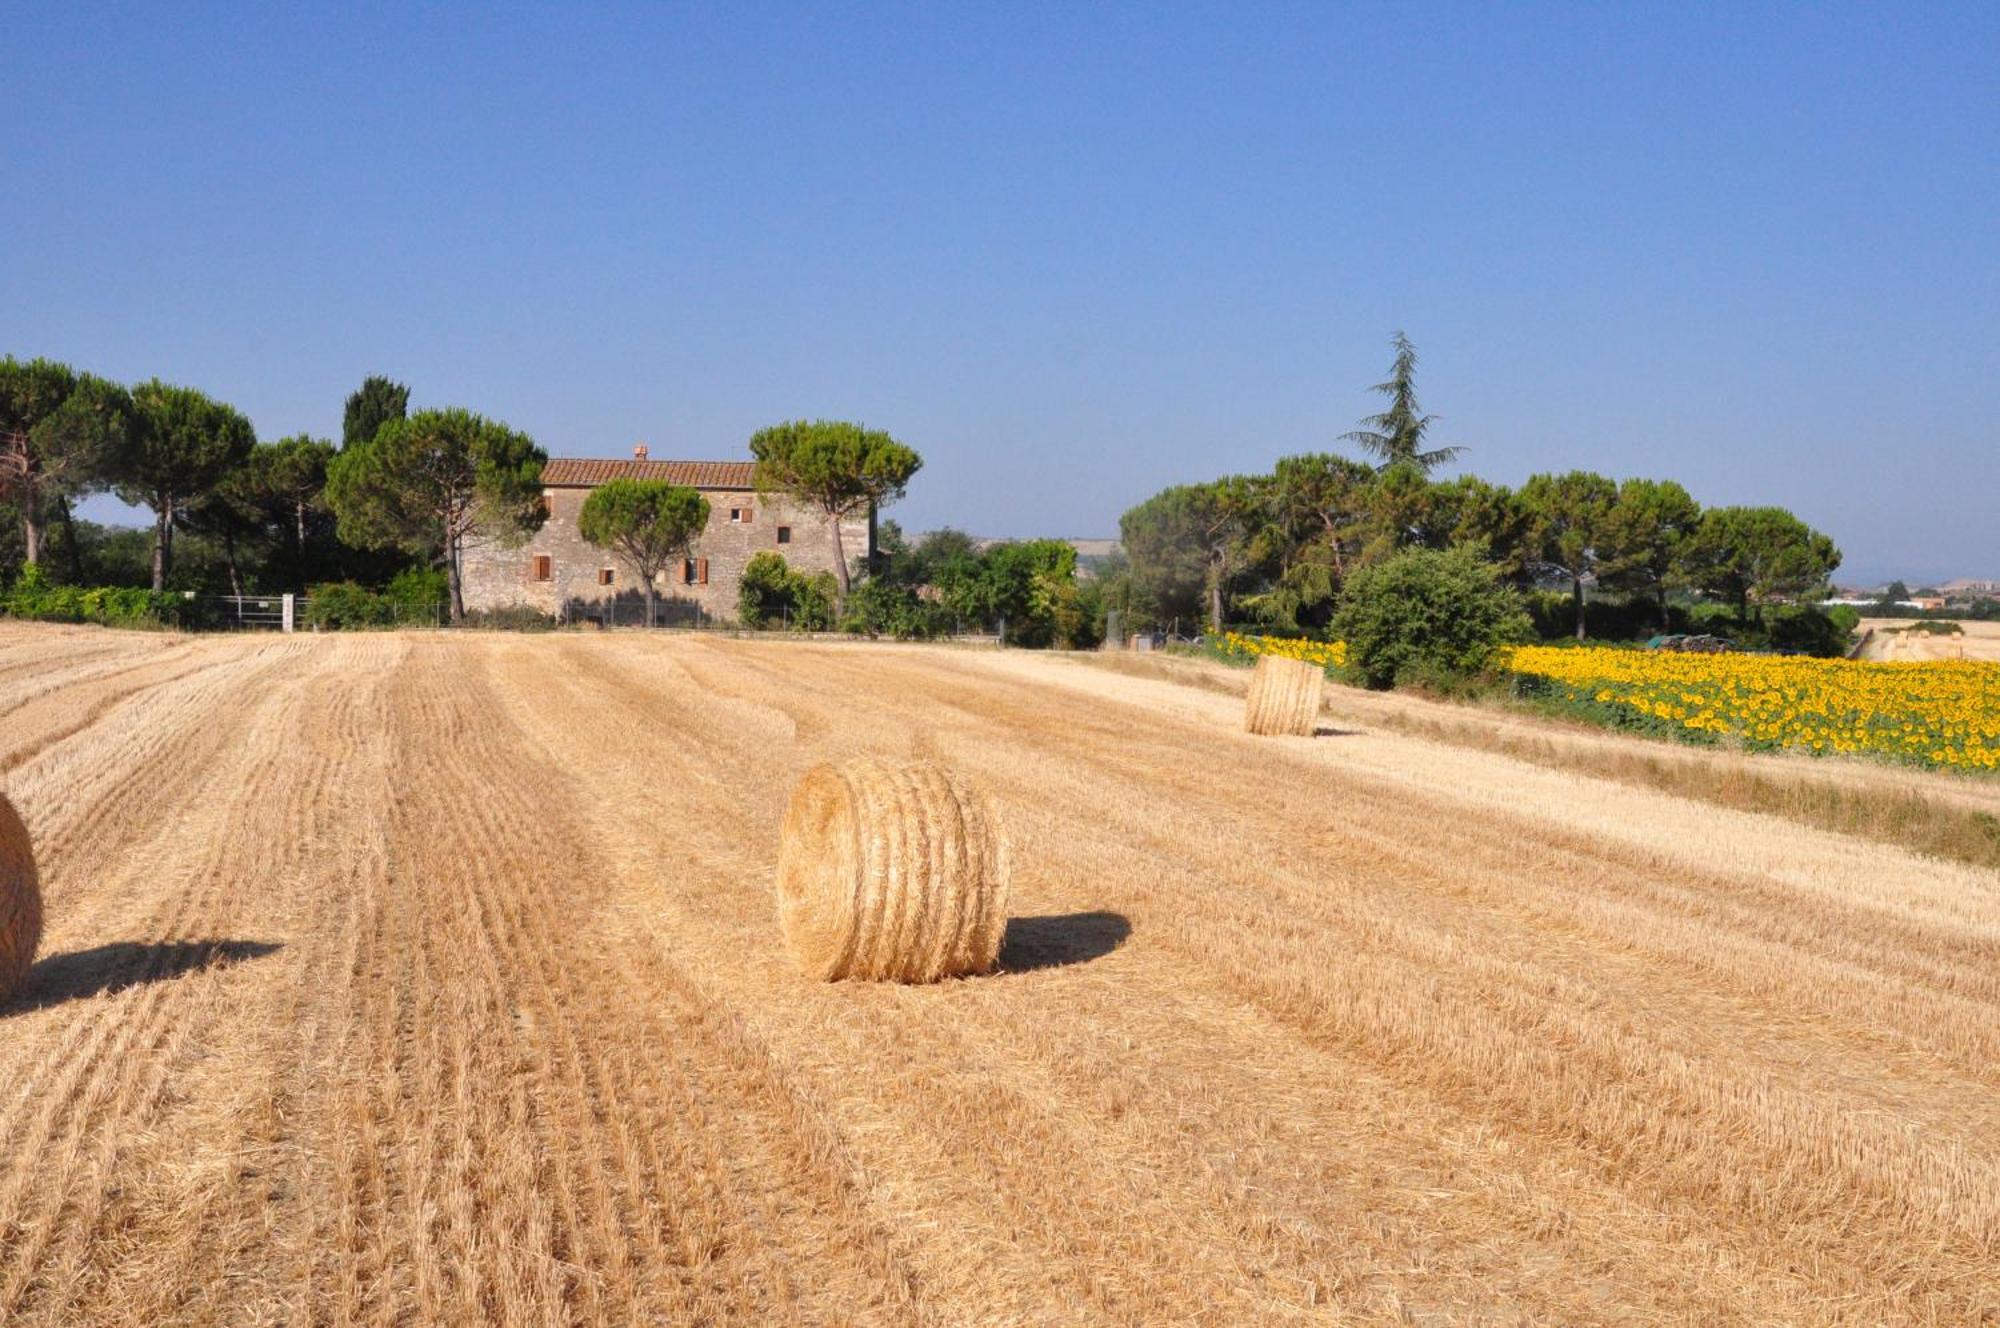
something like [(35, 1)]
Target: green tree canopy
[(435, 484), (1188, 543), (1568, 518), (1489, 517), (377, 401), (183, 445), (931, 554), (1639, 547), (1396, 437), (1757, 554), (61, 434), (835, 468), (290, 483), (648, 523), (273, 503), (1320, 505)]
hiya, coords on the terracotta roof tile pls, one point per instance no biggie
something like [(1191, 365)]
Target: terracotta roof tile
[(588, 472)]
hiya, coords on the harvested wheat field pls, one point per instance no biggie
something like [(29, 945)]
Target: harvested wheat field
[(424, 979)]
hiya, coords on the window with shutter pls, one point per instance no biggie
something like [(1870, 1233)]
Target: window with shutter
[(544, 569), (604, 576)]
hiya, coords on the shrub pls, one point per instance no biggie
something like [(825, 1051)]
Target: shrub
[(1804, 629), (1427, 613), (772, 593), (339, 605), (418, 593), (1608, 617), (114, 606), (878, 608)]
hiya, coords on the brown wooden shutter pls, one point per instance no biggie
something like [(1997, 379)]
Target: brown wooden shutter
[(542, 569), (704, 571)]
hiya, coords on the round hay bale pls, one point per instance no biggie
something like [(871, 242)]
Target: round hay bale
[(1284, 697), (891, 871), (20, 901)]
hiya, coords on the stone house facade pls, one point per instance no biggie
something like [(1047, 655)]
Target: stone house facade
[(560, 573)]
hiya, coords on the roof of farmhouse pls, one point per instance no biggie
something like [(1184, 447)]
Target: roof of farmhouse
[(588, 472)]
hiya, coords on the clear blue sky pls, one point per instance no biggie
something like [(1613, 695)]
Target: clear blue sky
[(1071, 253)]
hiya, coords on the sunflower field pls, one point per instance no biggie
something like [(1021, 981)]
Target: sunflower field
[(1939, 713), (1326, 654)]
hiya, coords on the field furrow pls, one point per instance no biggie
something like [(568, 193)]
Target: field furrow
[(427, 978)]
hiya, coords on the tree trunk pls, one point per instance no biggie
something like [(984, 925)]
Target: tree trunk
[(1215, 597), (1577, 589), (163, 524), (229, 553), (452, 579), (652, 599), (839, 564), (74, 554), (300, 508), (31, 529)]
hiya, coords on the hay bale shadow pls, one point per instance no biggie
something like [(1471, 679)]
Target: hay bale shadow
[(78, 974), (1060, 939), (1329, 731)]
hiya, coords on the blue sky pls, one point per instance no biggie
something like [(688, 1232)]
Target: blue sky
[(1071, 253)]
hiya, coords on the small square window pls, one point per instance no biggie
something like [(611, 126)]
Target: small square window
[(544, 568), (604, 576), (735, 516), (784, 534)]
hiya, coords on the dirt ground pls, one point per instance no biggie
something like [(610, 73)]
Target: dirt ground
[(434, 978)]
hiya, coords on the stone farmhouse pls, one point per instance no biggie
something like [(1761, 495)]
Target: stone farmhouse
[(558, 572)]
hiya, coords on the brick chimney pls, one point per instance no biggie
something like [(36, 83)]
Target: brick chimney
[(638, 451)]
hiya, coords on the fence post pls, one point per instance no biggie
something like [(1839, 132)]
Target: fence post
[(288, 611)]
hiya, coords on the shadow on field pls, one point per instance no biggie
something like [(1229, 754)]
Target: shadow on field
[(1329, 731), (104, 968), (1059, 939)]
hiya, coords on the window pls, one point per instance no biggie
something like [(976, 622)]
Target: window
[(687, 572), (739, 516), (604, 576), (544, 568), (784, 534)]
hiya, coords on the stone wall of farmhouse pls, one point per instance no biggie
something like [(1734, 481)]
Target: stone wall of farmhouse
[(570, 583)]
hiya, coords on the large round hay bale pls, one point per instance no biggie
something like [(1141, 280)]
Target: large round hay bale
[(891, 870), (1284, 697), (20, 901)]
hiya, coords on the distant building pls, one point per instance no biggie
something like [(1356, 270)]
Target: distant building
[(560, 573)]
